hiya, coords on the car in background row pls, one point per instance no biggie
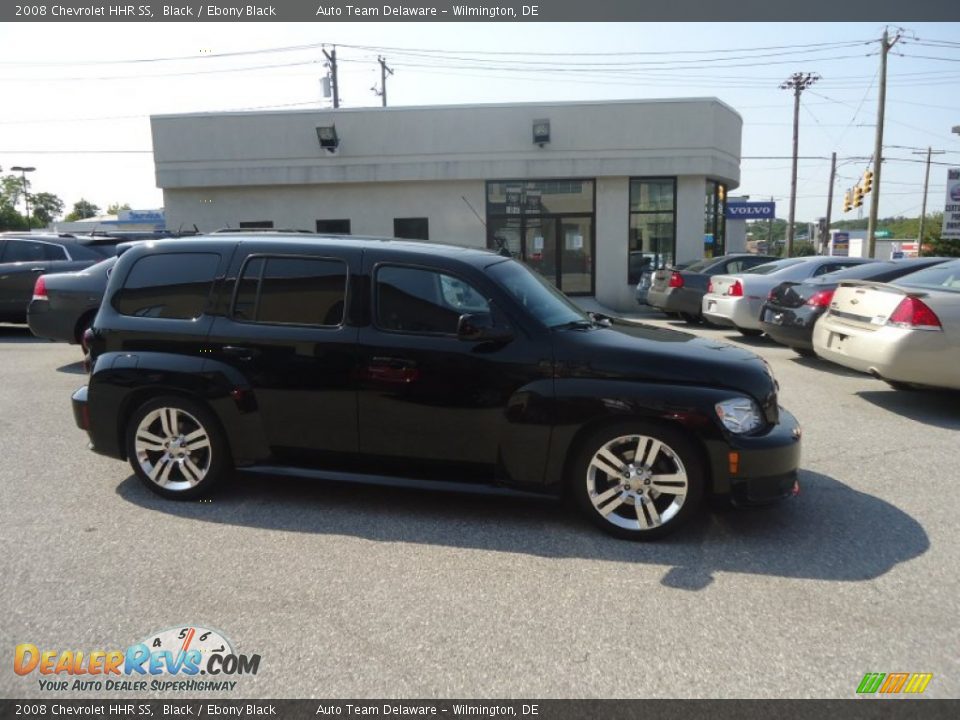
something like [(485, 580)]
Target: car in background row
[(906, 333), (65, 304), (24, 257), (793, 308), (735, 300), (393, 362), (681, 289)]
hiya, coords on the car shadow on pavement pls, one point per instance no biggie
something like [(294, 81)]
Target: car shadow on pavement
[(940, 408), (74, 368), (816, 363), (18, 334), (830, 532)]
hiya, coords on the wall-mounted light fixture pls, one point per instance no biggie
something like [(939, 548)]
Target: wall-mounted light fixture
[(541, 132), (327, 135)]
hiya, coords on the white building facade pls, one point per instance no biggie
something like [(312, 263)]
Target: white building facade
[(586, 193)]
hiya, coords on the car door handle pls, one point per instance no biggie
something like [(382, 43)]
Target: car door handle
[(39, 269), (392, 370), (243, 353)]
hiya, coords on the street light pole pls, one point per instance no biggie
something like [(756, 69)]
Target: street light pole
[(26, 196)]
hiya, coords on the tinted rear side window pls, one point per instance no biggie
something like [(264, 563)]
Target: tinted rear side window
[(24, 251), (172, 285), (292, 291)]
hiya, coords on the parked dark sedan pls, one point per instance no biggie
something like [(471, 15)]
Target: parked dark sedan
[(396, 362), (676, 290), (24, 257), (64, 304), (793, 308)]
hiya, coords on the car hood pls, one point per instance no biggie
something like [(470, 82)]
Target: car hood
[(646, 353)]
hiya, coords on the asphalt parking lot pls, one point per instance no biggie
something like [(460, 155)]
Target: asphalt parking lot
[(351, 592)]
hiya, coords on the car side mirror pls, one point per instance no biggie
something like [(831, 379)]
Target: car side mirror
[(480, 327)]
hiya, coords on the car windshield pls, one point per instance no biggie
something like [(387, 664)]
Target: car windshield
[(939, 277), (775, 266), (541, 299)]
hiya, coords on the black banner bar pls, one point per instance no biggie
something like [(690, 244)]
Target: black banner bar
[(857, 709), (78, 11)]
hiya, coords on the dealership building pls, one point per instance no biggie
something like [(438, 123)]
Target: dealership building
[(588, 193)]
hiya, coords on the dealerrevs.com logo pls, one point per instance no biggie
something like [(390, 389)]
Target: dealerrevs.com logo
[(182, 659)]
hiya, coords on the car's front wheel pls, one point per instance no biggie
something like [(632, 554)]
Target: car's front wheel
[(637, 480), (176, 447)]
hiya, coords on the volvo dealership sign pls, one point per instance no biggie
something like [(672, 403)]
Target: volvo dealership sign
[(750, 210)]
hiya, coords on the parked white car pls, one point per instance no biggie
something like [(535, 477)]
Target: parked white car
[(736, 300), (907, 333)]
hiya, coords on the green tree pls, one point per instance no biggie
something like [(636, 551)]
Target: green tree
[(115, 208), (11, 189), (10, 219), (45, 207), (83, 209)]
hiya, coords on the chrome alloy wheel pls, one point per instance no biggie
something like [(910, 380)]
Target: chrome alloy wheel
[(637, 482), (173, 448)]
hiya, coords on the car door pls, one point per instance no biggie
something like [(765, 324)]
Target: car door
[(285, 329), (438, 407), (22, 261)]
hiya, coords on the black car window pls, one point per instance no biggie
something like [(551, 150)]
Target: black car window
[(24, 251), (54, 252), (292, 291), (536, 295), (733, 267), (861, 271), (169, 285), (424, 301), (699, 265)]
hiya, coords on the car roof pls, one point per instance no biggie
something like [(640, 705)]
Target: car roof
[(415, 248)]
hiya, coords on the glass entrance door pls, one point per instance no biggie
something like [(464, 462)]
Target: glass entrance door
[(540, 247), (575, 243)]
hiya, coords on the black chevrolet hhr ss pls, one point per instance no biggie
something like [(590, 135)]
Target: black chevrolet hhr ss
[(389, 361)]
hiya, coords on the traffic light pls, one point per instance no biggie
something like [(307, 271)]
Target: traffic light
[(847, 201), (857, 196), (867, 182)]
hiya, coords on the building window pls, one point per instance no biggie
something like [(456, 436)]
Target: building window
[(653, 221), (714, 225), (333, 227), (411, 228), (549, 224), (257, 225)]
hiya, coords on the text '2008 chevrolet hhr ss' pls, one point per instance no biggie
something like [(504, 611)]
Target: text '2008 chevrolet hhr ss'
[(360, 359)]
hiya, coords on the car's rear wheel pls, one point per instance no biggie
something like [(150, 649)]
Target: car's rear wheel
[(637, 480), (176, 447), (750, 332)]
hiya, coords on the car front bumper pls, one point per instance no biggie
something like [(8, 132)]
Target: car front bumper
[(741, 312), (758, 469)]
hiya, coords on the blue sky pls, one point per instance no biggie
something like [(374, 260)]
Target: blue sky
[(58, 97)]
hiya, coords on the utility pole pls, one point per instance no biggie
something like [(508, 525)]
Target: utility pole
[(825, 240), (770, 232), (384, 71), (926, 184), (885, 44), (798, 82), (332, 64)]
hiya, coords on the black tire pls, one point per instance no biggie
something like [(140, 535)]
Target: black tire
[(805, 352), (902, 386), (690, 318), (749, 332), (182, 473), (84, 324), (592, 489)]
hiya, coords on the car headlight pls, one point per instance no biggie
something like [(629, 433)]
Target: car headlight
[(739, 415)]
